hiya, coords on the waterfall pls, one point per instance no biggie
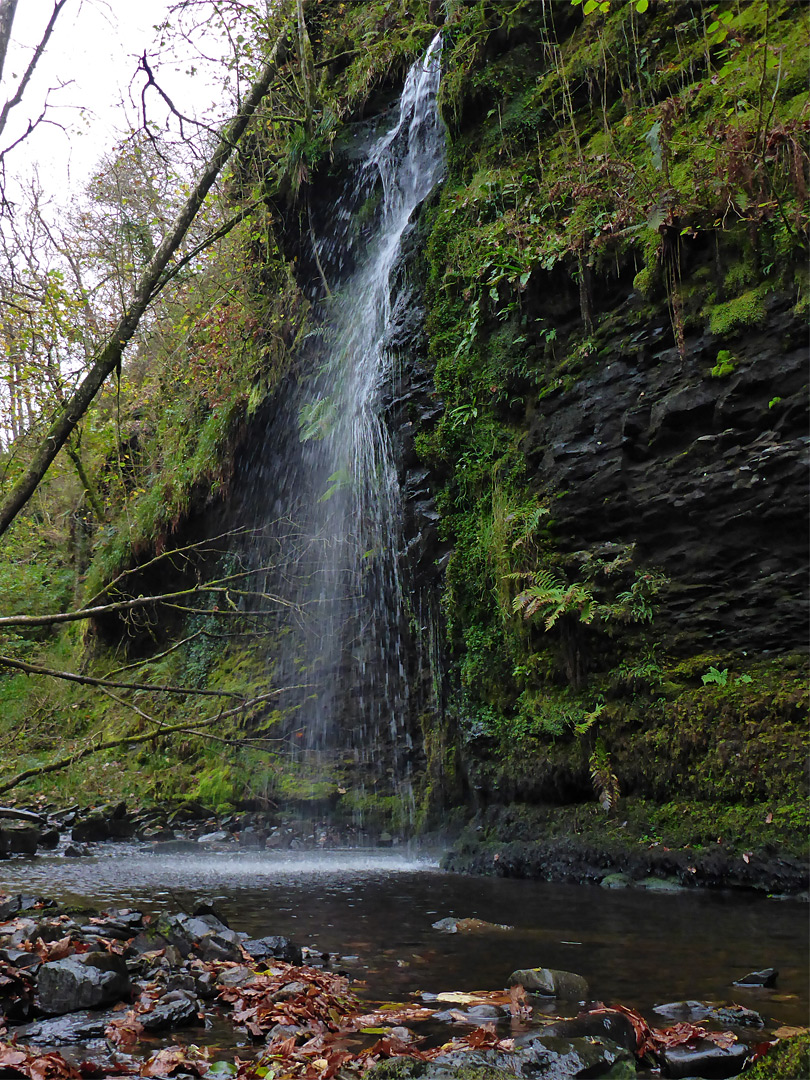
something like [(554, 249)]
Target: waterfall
[(329, 466)]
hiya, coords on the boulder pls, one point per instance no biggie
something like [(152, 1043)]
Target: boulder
[(19, 840), (551, 983), (82, 982), (91, 830), (273, 947), (705, 1059), (611, 1024)]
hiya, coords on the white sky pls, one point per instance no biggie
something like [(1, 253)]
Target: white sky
[(95, 47)]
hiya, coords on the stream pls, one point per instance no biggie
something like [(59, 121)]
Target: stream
[(376, 907)]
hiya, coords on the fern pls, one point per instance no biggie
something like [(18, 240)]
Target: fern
[(552, 598), (604, 779)]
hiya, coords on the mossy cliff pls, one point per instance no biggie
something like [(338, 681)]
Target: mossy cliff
[(616, 292), (601, 435)]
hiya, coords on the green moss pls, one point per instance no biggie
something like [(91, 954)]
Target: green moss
[(726, 365), (789, 1060), (734, 315)]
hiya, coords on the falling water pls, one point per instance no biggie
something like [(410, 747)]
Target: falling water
[(334, 479)]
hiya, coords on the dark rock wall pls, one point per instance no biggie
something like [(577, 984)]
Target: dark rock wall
[(706, 476)]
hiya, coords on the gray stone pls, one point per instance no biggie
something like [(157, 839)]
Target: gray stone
[(551, 983), (543, 1058), (76, 1027), (273, 947), (705, 1059), (218, 837), (175, 1009), (484, 1012), (82, 982)]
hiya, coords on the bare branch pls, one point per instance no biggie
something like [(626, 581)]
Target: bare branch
[(29, 71)]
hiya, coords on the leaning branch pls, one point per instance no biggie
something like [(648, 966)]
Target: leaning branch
[(109, 357), (118, 606), (90, 680)]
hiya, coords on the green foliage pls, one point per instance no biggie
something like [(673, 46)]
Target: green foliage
[(721, 678), (552, 598), (604, 779)]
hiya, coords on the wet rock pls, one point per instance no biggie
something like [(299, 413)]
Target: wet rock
[(218, 837), (82, 982), (283, 1031), (20, 958), (660, 885), (91, 830), (550, 982), (74, 852), (50, 929), (202, 933), (290, 990), (237, 976), (175, 1009), (766, 977), (705, 1059), (612, 1025), (75, 1027), (616, 881), (49, 839), (175, 847), (206, 985), (208, 907), (546, 1058), (19, 840), (484, 1012), (273, 947), (148, 941), (251, 838), (697, 1011)]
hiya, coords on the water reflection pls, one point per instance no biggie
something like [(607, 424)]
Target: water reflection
[(633, 947)]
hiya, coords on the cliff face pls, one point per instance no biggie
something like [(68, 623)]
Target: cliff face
[(616, 303)]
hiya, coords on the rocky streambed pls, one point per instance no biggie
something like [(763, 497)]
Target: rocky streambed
[(87, 994), (181, 944)]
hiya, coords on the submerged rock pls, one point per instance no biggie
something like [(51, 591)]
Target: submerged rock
[(551, 983), (467, 926)]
